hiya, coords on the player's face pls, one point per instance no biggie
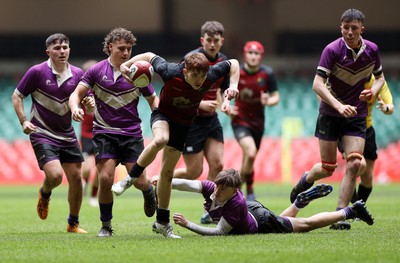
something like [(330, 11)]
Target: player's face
[(59, 52), (212, 44), (224, 193), (194, 78), (351, 32), (253, 58), (120, 51)]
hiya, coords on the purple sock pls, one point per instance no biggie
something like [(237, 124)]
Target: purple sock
[(299, 204), (349, 213), (304, 183)]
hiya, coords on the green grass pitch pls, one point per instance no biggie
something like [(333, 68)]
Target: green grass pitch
[(26, 238)]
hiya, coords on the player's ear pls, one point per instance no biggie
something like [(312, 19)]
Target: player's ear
[(362, 29)]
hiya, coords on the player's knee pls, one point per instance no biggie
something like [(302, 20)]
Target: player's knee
[(194, 171), (250, 156), (355, 161), (55, 179), (328, 168), (216, 165), (160, 141), (363, 168)]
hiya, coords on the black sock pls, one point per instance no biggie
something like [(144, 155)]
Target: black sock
[(162, 216), (363, 192), (45, 195), (106, 211), (355, 197), (136, 171), (73, 220), (148, 191)]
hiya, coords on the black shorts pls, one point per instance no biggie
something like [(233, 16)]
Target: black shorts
[(267, 221), (177, 133), (243, 131), (331, 128), (202, 129), (45, 153), (370, 148), (87, 146), (123, 149)]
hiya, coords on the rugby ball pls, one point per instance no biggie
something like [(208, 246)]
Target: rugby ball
[(141, 73)]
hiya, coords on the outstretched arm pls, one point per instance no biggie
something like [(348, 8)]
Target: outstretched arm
[(186, 185), (222, 228)]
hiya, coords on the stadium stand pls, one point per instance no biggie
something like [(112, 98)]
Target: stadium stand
[(298, 107)]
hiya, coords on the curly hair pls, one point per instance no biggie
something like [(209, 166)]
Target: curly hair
[(117, 34)]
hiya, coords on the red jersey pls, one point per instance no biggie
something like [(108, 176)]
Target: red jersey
[(222, 83), (87, 125), (178, 100), (251, 111)]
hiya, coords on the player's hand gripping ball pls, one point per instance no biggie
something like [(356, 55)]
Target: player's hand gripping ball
[(141, 73)]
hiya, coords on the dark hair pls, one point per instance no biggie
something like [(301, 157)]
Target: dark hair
[(117, 34), (212, 28), (229, 178), (353, 14), (197, 62), (56, 38)]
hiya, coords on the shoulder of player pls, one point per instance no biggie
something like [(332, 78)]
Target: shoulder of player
[(168, 70), (222, 56), (266, 68), (76, 70)]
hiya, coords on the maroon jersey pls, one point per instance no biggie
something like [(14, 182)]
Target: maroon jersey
[(178, 100), (222, 83), (251, 111), (87, 125)]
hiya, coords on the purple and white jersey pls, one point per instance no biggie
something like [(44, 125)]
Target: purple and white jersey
[(234, 210), (50, 111), (116, 100), (348, 72)]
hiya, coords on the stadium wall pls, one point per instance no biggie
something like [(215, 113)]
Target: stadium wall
[(276, 162)]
